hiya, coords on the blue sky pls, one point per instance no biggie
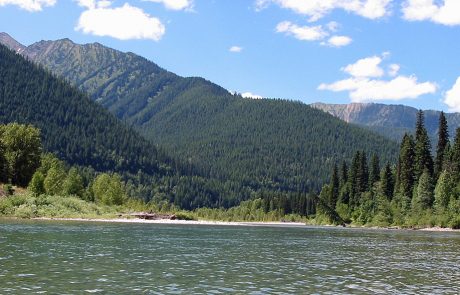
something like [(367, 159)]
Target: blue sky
[(334, 51)]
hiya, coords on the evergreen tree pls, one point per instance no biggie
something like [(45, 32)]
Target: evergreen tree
[(334, 187), (455, 155), (363, 173), (353, 180), (343, 174), (406, 173), (443, 140), (442, 192), (387, 182), (374, 174), (423, 159), (424, 192)]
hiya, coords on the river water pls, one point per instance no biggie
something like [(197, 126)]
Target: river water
[(49, 257)]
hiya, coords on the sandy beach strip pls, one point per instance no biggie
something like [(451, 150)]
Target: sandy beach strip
[(235, 223), (179, 222)]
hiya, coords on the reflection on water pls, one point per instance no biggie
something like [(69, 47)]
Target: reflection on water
[(39, 257)]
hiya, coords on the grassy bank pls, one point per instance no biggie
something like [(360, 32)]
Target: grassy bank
[(26, 205)]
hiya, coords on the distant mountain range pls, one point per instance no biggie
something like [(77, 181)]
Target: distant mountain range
[(262, 144), (391, 121)]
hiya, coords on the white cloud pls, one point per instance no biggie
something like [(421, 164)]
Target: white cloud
[(29, 5), (452, 97), (447, 13), (316, 9), (305, 33), (338, 41), (175, 4), (235, 49), (251, 95), (365, 83), (365, 89), (124, 23), (393, 70), (366, 67)]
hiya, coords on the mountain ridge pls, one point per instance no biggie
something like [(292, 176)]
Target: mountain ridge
[(274, 144), (391, 121)]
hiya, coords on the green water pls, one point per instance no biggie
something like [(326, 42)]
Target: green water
[(77, 258)]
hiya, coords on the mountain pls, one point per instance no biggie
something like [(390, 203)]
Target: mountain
[(72, 126), (263, 144), (391, 121), (9, 42)]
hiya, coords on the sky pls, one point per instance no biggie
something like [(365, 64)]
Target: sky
[(332, 51)]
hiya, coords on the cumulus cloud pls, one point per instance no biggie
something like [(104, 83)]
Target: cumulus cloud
[(29, 5), (365, 67), (314, 33), (175, 4), (251, 95), (124, 23), (338, 41), (452, 97), (365, 83), (316, 9), (235, 49), (445, 12), (305, 33)]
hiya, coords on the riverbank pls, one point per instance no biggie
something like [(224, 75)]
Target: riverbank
[(176, 221), (235, 223)]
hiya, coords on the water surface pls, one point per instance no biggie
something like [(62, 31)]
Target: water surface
[(48, 257)]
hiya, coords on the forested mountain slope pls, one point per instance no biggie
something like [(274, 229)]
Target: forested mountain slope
[(263, 144), (75, 128), (389, 120)]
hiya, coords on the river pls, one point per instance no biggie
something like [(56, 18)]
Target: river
[(50, 257)]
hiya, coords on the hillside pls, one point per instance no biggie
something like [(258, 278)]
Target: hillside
[(73, 127), (264, 144), (391, 121)]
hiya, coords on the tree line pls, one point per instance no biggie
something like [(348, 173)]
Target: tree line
[(418, 190)]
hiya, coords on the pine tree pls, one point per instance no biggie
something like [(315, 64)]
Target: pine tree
[(334, 187), (443, 140), (406, 174), (353, 180), (363, 173), (374, 173), (343, 174), (424, 192), (455, 155), (423, 159), (442, 192), (387, 182)]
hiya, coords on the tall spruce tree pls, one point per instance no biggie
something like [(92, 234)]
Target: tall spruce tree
[(343, 174), (334, 187), (387, 182), (423, 159), (374, 173), (443, 140), (406, 173), (424, 194), (363, 174), (353, 179), (455, 155)]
